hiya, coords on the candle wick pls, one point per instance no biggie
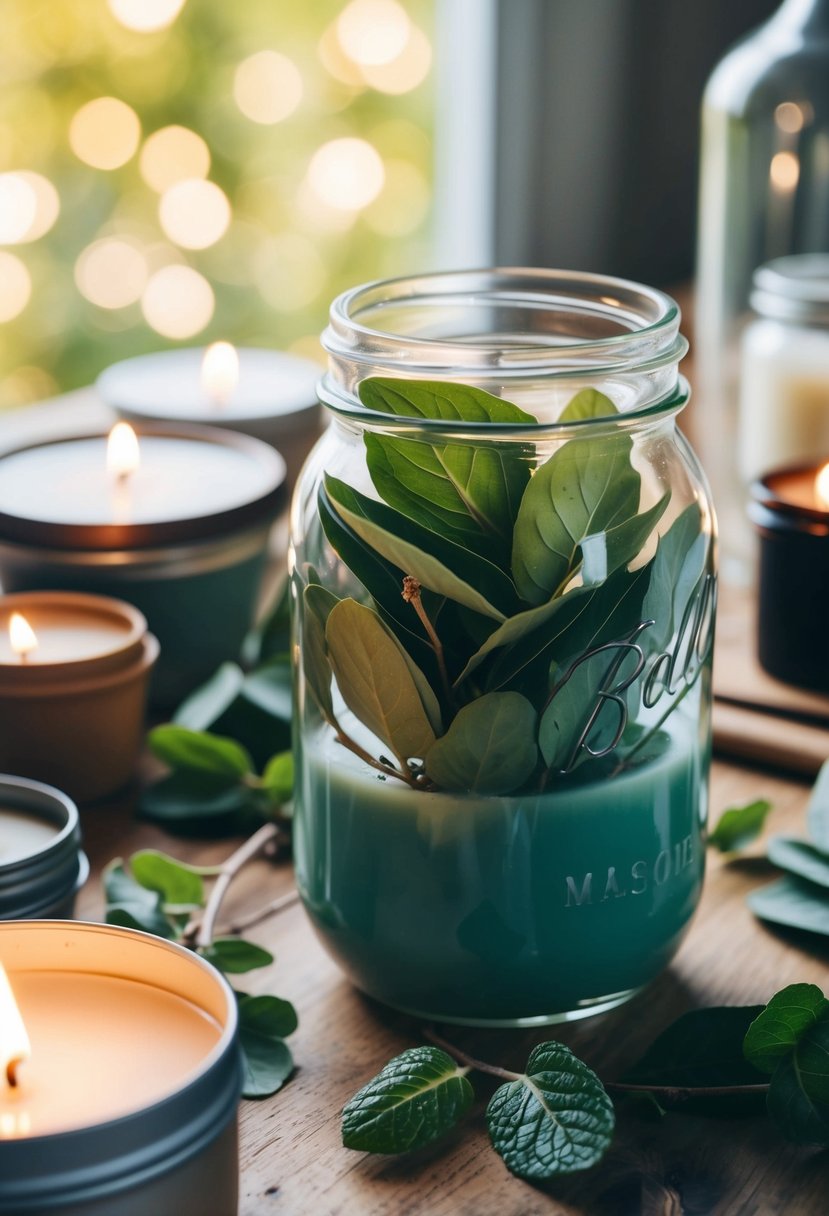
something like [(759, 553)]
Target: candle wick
[(11, 1071)]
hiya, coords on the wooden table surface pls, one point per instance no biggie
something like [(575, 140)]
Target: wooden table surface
[(292, 1160)]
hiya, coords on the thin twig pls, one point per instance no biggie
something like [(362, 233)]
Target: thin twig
[(469, 1061), (411, 594), (255, 918), (354, 747), (673, 1093), (250, 849)]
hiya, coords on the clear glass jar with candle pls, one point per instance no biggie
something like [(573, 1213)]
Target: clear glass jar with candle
[(764, 194), (503, 562)]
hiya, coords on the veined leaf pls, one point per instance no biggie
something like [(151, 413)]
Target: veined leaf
[(817, 815), (317, 603), (174, 881), (439, 400), (556, 1119), (235, 956), (375, 680), (198, 751), (418, 1097), (779, 1027), (438, 564), (587, 486), (266, 1059), (739, 825), (604, 552), (800, 858), (800, 1117), (489, 748), (677, 567), (131, 905), (793, 903), (587, 403)]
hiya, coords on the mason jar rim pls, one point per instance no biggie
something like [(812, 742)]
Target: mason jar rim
[(646, 321)]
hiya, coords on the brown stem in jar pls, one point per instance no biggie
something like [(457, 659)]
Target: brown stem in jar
[(411, 594)]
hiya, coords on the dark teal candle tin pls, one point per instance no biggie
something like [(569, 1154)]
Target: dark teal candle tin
[(184, 538)]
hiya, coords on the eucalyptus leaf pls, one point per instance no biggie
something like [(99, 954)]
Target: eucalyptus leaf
[(375, 680), (418, 1097), (779, 1027), (188, 799), (587, 486), (174, 881), (278, 777), (800, 858), (235, 956), (266, 1059), (793, 903), (702, 1048), (270, 687), (438, 564), (489, 747), (556, 1119), (198, 751), (817, 814), (587, 403), (130, 904), (739, 826), (801, 1118), (207, 704), (604, 552)]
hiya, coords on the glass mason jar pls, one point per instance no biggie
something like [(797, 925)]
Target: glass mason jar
[(503, 566)]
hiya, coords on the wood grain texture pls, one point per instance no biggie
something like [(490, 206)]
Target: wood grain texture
[(292, 1160)]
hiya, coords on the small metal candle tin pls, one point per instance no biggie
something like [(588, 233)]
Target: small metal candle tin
[(179, 1154), (77, 725), (44, 883), (195, 580), (793, 584)]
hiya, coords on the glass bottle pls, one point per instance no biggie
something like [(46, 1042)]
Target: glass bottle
[(764, 194), (502, 773)]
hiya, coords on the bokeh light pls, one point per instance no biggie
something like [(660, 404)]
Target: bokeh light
[(146, 15), (178, 302), (18, 208), (194, 213), (173, 154), (373, 31), (111, 273), (104, 133), (403, 203), (404, 73), (784, 171), (346, 174), (290, 272), (15, 286), (267, 87)]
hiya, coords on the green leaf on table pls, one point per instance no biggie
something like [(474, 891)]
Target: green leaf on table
[(278, 777), (489, 748), (793, 903), (198, 751), (194, 797), (556, 1119), (174, 881), (131, 905), (437, 563), (739, 826), (418, 1097), (587, 486), (780, 1026), (800, 858), (799, 1117), (817, 814), (234, 956), (604, 552), (270, 687), (267, 1063), (375, 680), (461, 490), (207, 704), (702, 1048), (587, 403)]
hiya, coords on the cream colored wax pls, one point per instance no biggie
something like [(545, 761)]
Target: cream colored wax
[(101, 1047), (65, 633), (22, 834)]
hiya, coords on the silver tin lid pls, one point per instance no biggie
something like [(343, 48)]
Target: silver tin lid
[(793, 289), (47, 877)]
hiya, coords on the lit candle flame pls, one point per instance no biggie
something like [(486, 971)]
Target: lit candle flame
[(14, 1042), (822, 486), (123, 456), (22, 637), (220, 372)]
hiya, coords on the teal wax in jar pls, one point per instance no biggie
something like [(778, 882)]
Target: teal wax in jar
[(504, 909)]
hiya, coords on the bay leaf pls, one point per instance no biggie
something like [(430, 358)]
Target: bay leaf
[(587, 403), (489, 747), (375, 680), (604, 552), (318, 602)]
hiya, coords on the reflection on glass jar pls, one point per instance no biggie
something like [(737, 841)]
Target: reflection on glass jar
[(503, 570)]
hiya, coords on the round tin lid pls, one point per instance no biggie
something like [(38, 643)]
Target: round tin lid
[(192, 483), (794, 289)]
